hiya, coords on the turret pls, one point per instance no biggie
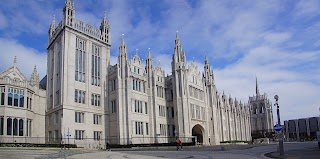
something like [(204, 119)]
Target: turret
[(123, 57), (149, 67), (179, 59), (52, 26), (105, 30), (208, 72), (69, 13), (34, 79)]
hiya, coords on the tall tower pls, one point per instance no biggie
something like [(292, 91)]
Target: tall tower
[(77, 63), (179, 77), (261, 114), (212, 101)]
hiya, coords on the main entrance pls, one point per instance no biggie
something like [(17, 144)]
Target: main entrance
[(198, 131)]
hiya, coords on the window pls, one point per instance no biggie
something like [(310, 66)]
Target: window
[(80, 61), (97, 119), (16, 97), (146, 107), (162, 111), (20, 127), (57, 98), (56, 118), (95, 66), (113, 106), (163, 130), (10, 96), (3, 91), (28, 127), (95, 99), (15, 127), (21, 98), (56, 135), (172, 112), (147, 128), (113, 85), (79, 117), (97, 135), (139, 128), (137, 106), (9, 126), (79, 96), (79, 134), (1, 125)]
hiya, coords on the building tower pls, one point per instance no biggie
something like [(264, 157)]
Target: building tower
[(77, 63), (261, 114), (179, 73)]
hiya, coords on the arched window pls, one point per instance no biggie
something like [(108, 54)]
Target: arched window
[(1, 125), (21, 98), (9, 126), (10, 97), (21, 127), (15, 127)]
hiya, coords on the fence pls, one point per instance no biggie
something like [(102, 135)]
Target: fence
[(98, 143)]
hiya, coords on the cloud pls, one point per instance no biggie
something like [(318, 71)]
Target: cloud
[(307, 8), (26, 57)]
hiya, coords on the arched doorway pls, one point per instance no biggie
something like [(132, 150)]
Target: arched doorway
[(198, 131)]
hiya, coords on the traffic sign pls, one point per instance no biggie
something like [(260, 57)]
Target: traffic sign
[(277, 128), (69, 134)]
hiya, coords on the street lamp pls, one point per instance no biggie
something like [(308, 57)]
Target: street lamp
[(276, 97)]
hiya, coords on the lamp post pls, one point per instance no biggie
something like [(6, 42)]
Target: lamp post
[(276, 97)]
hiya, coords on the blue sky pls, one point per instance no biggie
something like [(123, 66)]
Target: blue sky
[(277, 41)]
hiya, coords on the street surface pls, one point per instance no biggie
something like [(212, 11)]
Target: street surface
[(292, 151)]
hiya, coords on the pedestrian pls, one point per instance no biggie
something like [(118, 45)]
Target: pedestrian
[(108, 146), (180, 144)]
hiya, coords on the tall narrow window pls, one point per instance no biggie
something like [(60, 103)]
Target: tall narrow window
[(80, 61), (15, 127), (1, 125), (21, 127), (95, 64), (21, 98), (10, 96), (2, 95), (9, 126)]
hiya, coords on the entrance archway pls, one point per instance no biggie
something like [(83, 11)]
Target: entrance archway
[(198, 131)]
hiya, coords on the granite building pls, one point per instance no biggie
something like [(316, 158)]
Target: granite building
[(131, 102), (261, 115), (22, 107)]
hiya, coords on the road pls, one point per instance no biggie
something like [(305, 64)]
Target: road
[(206, 152)]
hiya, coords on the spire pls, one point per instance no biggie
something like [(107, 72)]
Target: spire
[(34, 76), (136, 52), (105, 16), (149, 54), (15, 61), (257, 88), (53, 23), (122, 41), (177, 41), (159, 64)]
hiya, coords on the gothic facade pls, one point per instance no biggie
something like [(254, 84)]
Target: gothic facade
[(261, 114), (131, 102), (22, 107)]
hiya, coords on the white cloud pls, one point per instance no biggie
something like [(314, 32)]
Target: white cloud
[(307, 8), (26, 57)]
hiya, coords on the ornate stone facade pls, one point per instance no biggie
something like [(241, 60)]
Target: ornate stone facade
[(22, 107), (131, 102), (261, 114)]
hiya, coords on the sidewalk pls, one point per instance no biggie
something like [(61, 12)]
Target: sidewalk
[(313, 153)]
